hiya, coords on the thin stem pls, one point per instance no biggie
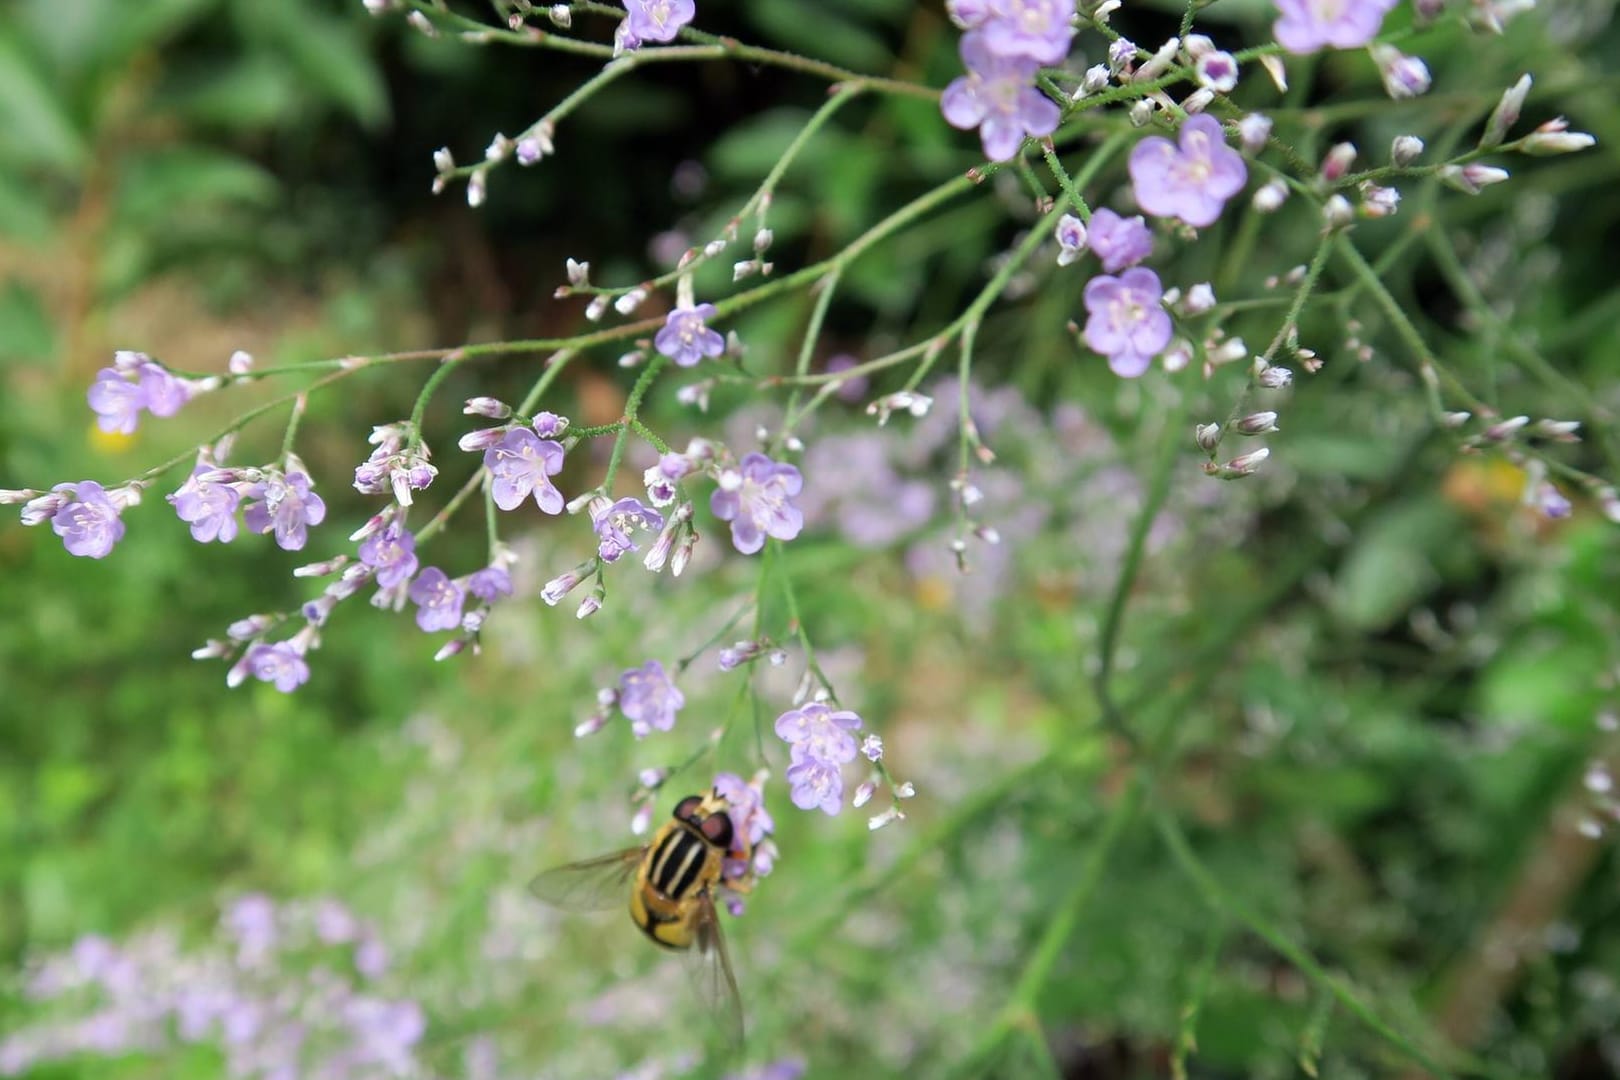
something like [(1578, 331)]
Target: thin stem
[(632, 406), (419, 410)]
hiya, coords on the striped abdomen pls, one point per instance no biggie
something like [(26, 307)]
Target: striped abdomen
[(680, 864)]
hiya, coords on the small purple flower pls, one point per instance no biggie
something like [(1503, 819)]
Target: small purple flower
[(686, 337), (815, 784), (1308, 25), (89, 525), (748, 814), (209, 508), (288, 506), (438, 600), (654, 20), (997, 96), (816, 731), (1192, 180), (755, 498), (521, 463), (649, 699), (1126, 320), (279, 663), (116, 401), (1037, 30), (548, 425), (1118, 241), (392, 554), (614, 524), (165, 393), (490, 584)]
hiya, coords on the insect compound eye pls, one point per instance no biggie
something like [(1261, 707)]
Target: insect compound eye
[(687, 808), (717, 829)]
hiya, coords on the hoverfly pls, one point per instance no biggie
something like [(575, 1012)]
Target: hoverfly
[(670, 884)]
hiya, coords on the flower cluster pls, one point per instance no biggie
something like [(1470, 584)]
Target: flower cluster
[(1007, 42), (400, 464), (820, 745), (136, 382)]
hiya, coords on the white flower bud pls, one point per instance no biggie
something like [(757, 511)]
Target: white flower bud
[(1207, 436), (420, 22), (863, 794), (1506, 114), (596, 308), (1338, 212), (1200, 298), (1159, 63), (443, 160), (475, 183), (1279, 75), (1270, 195), (1260, 423), (579, 273), (890, 815), (631, 300), (1141, 112), (562, 16), (1472, 178), (1553, 137), (1338, 162), (1198, 101), (1405, 150)]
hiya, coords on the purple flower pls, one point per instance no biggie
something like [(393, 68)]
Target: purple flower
[(997, 96), (1119, 242), (210, 508), (289, 506), (653, 20), (755, 499), (1308, 25), (438, 600), (1071, 238), (521, 463), (1037, 30), (815, 784), (686, 338), (1126, 320), (279, 663), (747, 808), (1191, 181), (613, 526), (165, 393), (392, 554), (648, 698), (490, 584), (816, 731), (89, 525), (116, 401)]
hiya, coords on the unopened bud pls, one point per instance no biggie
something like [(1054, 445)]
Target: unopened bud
[(863, 794), (596, 308), (443, 160), (1506, 429), (631, 300), (1270, 195), (1472, 178), (892, 814), (1197, 101), (1141, 112), (1260, 423), (562, 16), (1506, 114), (1405, 149), (1275, 378), (1553, 138), (1207, 436), (488, 407), (1338, 162), (642, 819), (1160, 62), (1337, 212), (579, 273), (1279, 74), (478, 441), (1404, 76), (1253, 131)]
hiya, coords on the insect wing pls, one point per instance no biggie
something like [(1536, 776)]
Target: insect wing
[(592, 885), (709, 964)]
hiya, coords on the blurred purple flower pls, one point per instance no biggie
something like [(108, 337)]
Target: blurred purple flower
[(756, 499), (817, 731), (997, 96), (280, 663), (116, 401), (785, 1069), (1126, 320), (815, 784), (490, 584), (89, 525), (1308, 25), (288, 506), (521, 463), (438, 600), (653, 20), (852, 388), (1190, 179), (686, 337), (649, 699), (392, 554), (1119, 241), (1038, 30), (165, 394), (748, 814)]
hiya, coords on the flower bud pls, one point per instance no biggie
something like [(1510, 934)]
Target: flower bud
[(443, 160), (1506, 114), (642, 819), (1197, 101), (560, 586), (863, 794), (476, 189), (1207, 436), (1270, 196), (1337, 212), (1200, 298), (890, 815), (1559, 430), (1160, 61), (1378, 202), (1275, 378), (596, 308), (450, 648), (13, 496), (1260, 423), (475, 442), (1217, 72), (1554, 137), (1338, 162), (1094, 81), (1246, 464), (1404, 76), (562, 16), (488, 407), (1141, 112), (1504, 430), (1279, 74)]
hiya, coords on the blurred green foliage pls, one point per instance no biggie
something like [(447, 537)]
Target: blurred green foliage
[(1382, 689)]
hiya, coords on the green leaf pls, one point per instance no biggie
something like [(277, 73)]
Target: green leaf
[(29, 334), (326, 51), (153, 184), (36, 127), (1397, 561)]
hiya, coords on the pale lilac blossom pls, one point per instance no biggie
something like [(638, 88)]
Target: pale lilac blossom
[(392, 554), (1126, 321), (814, 784), (522, 463), (653, 20), (1308, 25), (615, 524), (280, 664), (1190, 179), (756, 498), (116, 401), (998, 96), (818, 731), (438, 600), (1038, 30), (490, 584), (686, 338), (1119, 241), (287, 506), (649, 699), (88, 524), (208, 507)]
